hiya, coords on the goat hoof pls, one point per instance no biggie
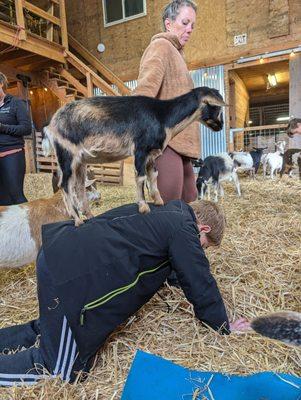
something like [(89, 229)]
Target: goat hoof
[(144, 208), (159, 202), (78, 222)]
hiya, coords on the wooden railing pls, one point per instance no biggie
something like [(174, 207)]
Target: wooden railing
[(24, 13), (257, 136), (92, 79), (98, 65)]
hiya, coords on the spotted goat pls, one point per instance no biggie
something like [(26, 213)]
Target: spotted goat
[(108, 129)]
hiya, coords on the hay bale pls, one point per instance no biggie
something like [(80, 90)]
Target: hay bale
[(257, 269)]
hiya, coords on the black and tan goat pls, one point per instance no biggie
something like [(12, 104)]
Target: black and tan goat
[(291, 159), (107, 129)]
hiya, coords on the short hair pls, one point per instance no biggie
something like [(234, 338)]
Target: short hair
[(293, 124), (3, 80), (171, 11), (209, 213)]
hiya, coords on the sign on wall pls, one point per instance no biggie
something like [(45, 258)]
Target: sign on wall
[(240, 40)]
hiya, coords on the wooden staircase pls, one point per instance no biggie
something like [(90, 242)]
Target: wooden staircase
[(38, 39)]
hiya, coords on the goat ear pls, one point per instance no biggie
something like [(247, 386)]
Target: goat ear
[(213, 100), (89, 182)]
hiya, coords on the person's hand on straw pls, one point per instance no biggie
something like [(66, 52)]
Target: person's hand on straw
[(240, 325)]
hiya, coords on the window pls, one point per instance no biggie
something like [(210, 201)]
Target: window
[(116, 11)]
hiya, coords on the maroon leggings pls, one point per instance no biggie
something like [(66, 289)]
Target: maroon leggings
[(176, 178)]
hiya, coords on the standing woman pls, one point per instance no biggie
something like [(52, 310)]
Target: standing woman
[(14, 124), (163, 74)]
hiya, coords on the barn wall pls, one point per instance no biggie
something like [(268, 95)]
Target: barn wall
[(239, 100), (269, 25)]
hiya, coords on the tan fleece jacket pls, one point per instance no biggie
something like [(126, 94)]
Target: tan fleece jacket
[(163, 74)]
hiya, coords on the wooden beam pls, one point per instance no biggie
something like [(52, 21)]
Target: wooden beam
[(64, 31), (97, 81), (41, 13), (34, 43), (295, 95), (70, 78), (89, 84), (20, 19), (275, 45), (50, 27), (100, 67)]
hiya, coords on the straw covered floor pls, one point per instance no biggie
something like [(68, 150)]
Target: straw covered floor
[(257, 269)]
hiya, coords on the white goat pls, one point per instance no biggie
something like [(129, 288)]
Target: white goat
[(20, 226), (274, 160)]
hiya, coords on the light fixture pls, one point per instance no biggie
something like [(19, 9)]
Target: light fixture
[(101, 47), (283, 118), (292, 54), (31, 92), (272, 80), (250, 122), (262, 57), (45, 88)]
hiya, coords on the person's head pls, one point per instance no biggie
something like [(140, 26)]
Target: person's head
[(211, 222), (3, 85), (179, 18), (294, 127)]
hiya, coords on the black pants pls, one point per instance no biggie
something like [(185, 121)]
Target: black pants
[(56, 354), (12, 172)]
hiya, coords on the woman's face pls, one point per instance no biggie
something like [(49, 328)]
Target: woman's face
[(183, 25)]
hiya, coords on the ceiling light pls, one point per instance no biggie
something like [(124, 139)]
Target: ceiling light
[(272, 80), (283, 118)]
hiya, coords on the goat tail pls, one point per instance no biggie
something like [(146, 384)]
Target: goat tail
[(284, 326), (47, 145)]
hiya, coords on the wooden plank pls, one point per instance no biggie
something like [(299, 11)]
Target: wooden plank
[(97, 81), (64, 31), (70, 78), (33, 43), (50, 28), (20, 19), (41, 13), (89, 84)]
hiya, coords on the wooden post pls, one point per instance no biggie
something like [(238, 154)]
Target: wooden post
[(89, 84), (295, 95), (49, 30), (63, 19), (20, 19)]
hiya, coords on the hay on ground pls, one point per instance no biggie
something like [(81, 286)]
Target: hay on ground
[(257, 269)]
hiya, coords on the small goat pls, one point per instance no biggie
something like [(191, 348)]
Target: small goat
[(107, 129), (274, 160), (284, 326), (248, 161), (291, 159), (216, 169), (20, 226), (294, 127)]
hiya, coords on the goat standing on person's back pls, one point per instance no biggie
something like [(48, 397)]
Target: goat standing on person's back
[(107, 129), (214, 170)]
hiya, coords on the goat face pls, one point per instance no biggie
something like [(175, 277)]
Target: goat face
[(203, 180), (211, 103), (294, 127)]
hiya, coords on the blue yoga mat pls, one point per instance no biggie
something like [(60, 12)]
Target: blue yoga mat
[(154, 378)]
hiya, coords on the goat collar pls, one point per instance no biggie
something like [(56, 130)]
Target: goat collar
[(173, 39)]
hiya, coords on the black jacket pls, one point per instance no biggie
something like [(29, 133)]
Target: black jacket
[(109, 267), (15, 123)]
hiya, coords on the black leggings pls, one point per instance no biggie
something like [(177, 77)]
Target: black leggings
[(12, 172)]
